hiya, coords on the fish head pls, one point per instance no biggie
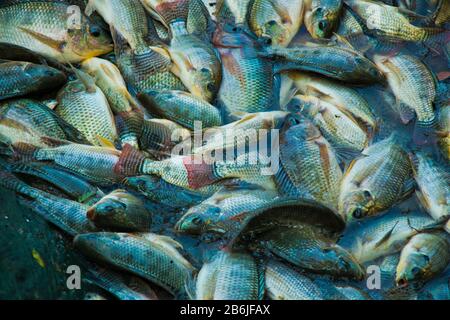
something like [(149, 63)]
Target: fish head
[(368, 70), (108, 207), (45, 75), (345, 263), (90, 40), (323, 19), (232, 36), (415, 266), (274, 32), (358, 205), (197, 219), (206, 82), (297, 126), (144, 184), (96, 245)]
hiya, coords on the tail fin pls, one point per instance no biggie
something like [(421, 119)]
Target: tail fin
[(425, 132), (11, 182), (436, 39), (130, 162), (20, 151)]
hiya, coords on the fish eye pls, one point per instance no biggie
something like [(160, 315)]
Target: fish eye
[(197, 221), (415, 271), (272, 23), (358, 213), (268, 41), (109, 209), (367, 194), (236, 29), (95, 31), (211, 87), (323, 25)]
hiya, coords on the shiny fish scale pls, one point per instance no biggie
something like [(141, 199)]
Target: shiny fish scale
[(444, 127), (89, 112), (237, 278), (283, 283), (9, 74), (233, 11), (248, 85)]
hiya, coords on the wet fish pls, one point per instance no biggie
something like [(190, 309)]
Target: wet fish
[(444, 131), (109, 79), (38, 117), (88, 110), (344, 97), (41, 26), (425, 256), (433, 185), (248, 82), (22, 78), (130, 127), (233, 12), (343, 132), (276, 20), (308, 163), (67, 215), (283, 283), (336, 62), (120, 211), (322, 17), (442, 13), (181, 107), (153, 257), (376, 180), (436, 289), (230, 276), (308, 248), (384, 235), (415, 89)]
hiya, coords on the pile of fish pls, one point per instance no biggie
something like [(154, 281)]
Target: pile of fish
[(96, 95)]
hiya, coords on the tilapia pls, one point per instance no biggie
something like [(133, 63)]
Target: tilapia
[(344, 97), (339, 127), (276, 20), (322, 17), (42, 26), (153, 257), (248, 81), (308, 248), (283, 283), (21, 78), (433, 185), (444, 131), (233, 12), (415, 89), (109, 79), (308, 163), (87, 109), (120, 211), (376, 180), (336, 62), (181, 107), (425, 256), (130, 127), (384, 235)]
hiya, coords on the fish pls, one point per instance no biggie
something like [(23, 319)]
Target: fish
[(433, 185), (375, 181), (182, 108), (278, 21), (224, 276), (333, 61), (436, 289), (442, 13), (308, 163), (21, 78), (124, 287), (67, 215), (196, 62), (74, 187), (127, 20), (42, 26), (109, 79), (425, 256), (242, 70), (150, 256), (389, 23), (224, 211), (199, 20), (233, 12), (88, 110), (120, 211), (284, 283), (307, 248), (444, 131), (322, 17), (415, 90), (344, 97), (384, 235), (34, 115), (130, 128), (338, 127), (160, 191)]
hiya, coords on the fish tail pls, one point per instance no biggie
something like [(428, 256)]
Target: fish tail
[(425, 132), (436, 39), (130, 162), (11, 182), (129, 125), (200, 173), (172, 11), (20, 151)]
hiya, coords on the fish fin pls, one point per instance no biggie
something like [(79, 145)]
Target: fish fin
[(386, 236), (288, 90), (408, 188), (407, 114), (20, 151), (53, 142), (199, 172), (424, 132), (345, 42), (423, 200), (90, 8), (130, 162), (438, 225), (84, 78), (11, 182), (55, 44), (190, 286), (345, 153), (239, 115), (106, 143)]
